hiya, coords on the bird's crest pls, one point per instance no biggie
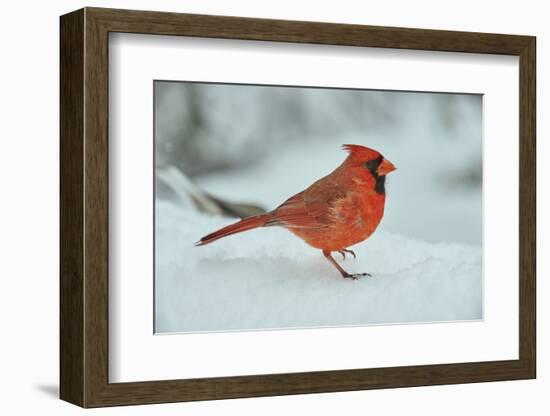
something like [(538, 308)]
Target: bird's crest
[(363, 152)]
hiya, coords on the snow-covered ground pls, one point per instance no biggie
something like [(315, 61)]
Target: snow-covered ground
[(268, 278)]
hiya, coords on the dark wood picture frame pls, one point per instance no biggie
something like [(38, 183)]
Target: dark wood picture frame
[(84, 207)]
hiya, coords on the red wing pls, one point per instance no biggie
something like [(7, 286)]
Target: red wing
[(312, 207)]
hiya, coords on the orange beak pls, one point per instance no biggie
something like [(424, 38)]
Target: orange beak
[(385, 167)]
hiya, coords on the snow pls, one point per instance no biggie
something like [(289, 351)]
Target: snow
[(268, 279)]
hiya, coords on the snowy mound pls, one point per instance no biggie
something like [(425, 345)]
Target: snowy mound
[(268, 278)]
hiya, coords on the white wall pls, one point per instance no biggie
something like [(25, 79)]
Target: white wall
[(29, 208)]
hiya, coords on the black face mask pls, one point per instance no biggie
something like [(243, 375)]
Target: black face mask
[(372, 166)]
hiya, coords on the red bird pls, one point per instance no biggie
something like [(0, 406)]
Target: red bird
[(336, 212)]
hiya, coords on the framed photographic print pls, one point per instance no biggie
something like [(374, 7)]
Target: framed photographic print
[(255, 207)]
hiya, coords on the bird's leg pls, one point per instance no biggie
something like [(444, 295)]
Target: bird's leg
[(345, 250), (339, 268)]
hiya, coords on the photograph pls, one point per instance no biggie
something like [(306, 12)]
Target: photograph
[(295, 207)]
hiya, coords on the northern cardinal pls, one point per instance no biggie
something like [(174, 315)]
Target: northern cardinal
[(334, 213)]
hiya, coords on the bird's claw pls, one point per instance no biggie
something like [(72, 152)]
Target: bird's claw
[(356, 276), (344, 251)]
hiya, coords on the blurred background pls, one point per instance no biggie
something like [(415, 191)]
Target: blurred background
[(235, 150)]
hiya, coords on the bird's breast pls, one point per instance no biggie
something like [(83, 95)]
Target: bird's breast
[(349, 221), (358, 214)]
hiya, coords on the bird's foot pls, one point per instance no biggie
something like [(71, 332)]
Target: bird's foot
[(344, 251), (355, 276)]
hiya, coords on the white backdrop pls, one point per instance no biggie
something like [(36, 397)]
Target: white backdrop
[(29, 220)]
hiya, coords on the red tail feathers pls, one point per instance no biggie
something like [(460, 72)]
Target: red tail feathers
[(243, 225)]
